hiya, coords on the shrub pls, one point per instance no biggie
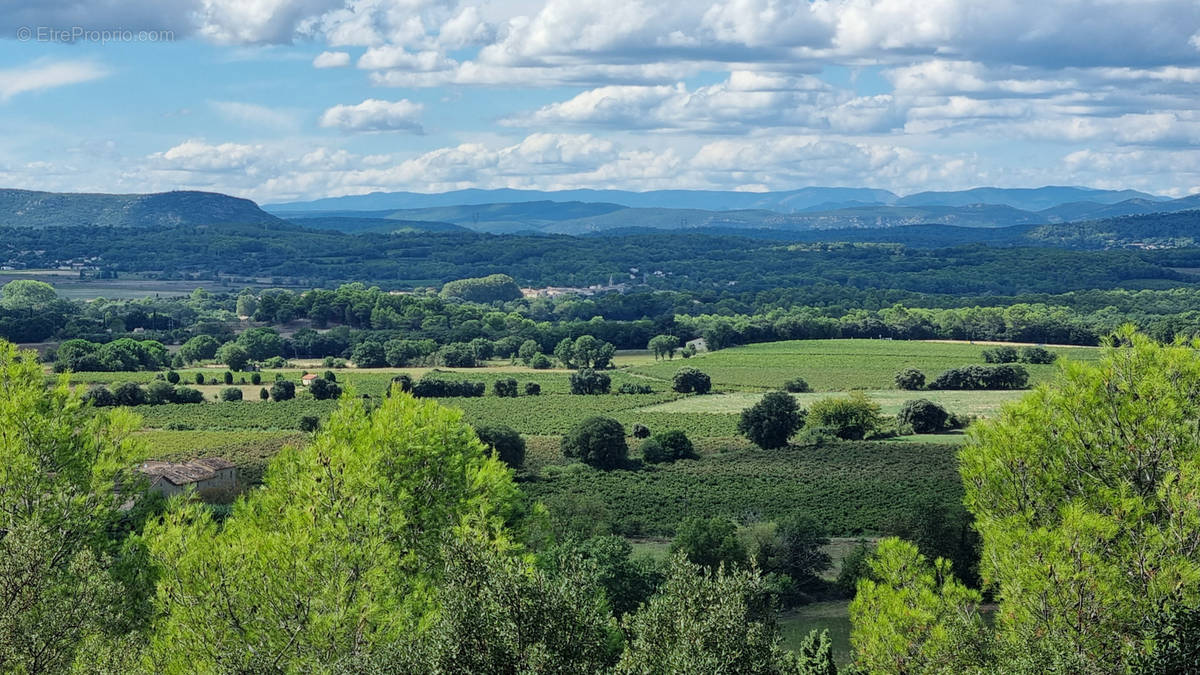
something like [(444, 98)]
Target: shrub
[(309, 423), (328, 375), (772, 421), (323, 389), (129, 393), (690, 380), (507, 443), (256, 378), (432, 386), (404, 381), (188, 395), (653, 452), (924, 416), (228, 377), (99, 396), (275, 362), (457, 355), (230, 394), (283, 390), (1000, 355), (588, 381), (540, 362), (598, 442), (172, 377), (533, 389), (982, 377), (910, 379), (631, 388), (263, 394), (796, 385), (1037, 355), (159, 392), (673, 445), (641, 431), (505, 387), (199, 378), (851, 418)]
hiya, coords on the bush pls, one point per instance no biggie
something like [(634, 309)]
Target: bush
[(668, 446), (172, 377), (256, 378), (540, 362), (631, 388), (851, 418), (329, 376), (709, 542), (588, 381), (598, 442), (653, 452), (323, 389), (1000, 355), (507, 443), (910, 379), (309, 423), (230, 394), (159, 392), (276, 362), (641, 431), (505, 387), (924, 416), (129, 393), (690, 380), (533, 389), (228, 377), (199, 378), (1037, 355), (982, 377), (188, 395), (99, 396), (432, 386), (263, 394), (796, 386), (283, 390), (457, 355), (404, 381), (772, 421)]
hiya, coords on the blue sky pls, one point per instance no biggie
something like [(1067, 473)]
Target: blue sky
[(283, 100)]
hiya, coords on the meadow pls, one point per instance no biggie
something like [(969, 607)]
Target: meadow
[(838, 365)]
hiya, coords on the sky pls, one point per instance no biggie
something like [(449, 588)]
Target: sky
[(280, 100)]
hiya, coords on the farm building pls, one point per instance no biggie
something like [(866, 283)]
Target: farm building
[(698, 344), (308, 379), (210, 473)]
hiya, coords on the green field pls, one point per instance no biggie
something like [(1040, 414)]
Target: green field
[(837, 365), (249, 450), (852, 488)]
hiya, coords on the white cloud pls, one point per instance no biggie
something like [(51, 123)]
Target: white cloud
[(254, 114), (331, 60), (375, 115), (47, 75)]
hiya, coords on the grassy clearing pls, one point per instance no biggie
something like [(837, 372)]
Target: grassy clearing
[(832, 616), (837, 365)]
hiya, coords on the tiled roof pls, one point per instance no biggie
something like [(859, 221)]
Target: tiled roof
[(184, 474)]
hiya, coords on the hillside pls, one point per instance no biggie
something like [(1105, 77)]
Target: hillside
[(27, 208)]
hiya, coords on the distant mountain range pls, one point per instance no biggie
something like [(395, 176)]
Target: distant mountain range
[(814, 210), (27, 208), (790, 201)]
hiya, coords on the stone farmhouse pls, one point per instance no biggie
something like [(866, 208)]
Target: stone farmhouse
[(210, 473)]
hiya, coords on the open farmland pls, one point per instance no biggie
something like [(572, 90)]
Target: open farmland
[(838, 365), (853, 488)]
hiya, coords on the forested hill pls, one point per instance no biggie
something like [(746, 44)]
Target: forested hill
[(27, 208)]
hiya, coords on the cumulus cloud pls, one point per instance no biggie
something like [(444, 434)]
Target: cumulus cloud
[(47, 75), (331, 60), (375, 115)]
